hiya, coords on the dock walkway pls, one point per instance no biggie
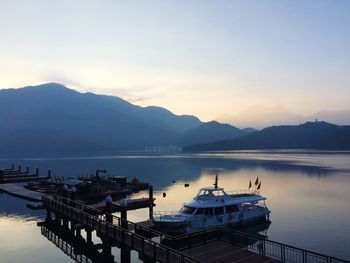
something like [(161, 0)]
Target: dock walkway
[(21, 192), (221, 251), (219, 244)]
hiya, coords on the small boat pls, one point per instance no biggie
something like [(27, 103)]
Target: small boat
[(213, 207)]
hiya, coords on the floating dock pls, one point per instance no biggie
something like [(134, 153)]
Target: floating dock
[(12, 175), (21, 192)]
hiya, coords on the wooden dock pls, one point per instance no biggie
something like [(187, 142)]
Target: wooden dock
[(212, 245), (21, 192), (222, 251), (115, 233), (12, 175)]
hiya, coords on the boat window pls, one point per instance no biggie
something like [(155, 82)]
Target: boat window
[(218, 193), (203, 192), (208, 211), (231, 209), (247, 206), (200, 211), (219, 210), (187, 210)]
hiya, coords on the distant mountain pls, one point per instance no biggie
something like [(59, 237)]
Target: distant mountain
[(211, 131), (51, 118), (310, 135), (259, 116), (340, 117)]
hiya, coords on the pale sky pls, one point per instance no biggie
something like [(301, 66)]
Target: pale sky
[(199, 57)]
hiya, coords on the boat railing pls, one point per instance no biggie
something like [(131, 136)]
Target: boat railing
[(166, 215), (243, 192)]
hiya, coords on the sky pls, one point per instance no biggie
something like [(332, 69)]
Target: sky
[(205, 58)]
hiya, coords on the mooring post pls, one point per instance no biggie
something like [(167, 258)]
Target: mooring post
[(150, 191), (124, 250), (73, 191), (64, 219), (109, 216), (49, 173), (107, 247), (88, 231), (27, 170), (37, 171), (19, 167), (48, 215), (124, 214)]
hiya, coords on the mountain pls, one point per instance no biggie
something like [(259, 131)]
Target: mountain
[(210, 131), (51, 118), (340, 117), (259, 116), (310, 135)]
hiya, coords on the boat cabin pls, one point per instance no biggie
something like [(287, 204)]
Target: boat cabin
[(210, 192)]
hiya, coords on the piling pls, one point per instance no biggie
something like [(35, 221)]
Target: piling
[(73, 190), (124, 250), (107, 247), (150, 191)]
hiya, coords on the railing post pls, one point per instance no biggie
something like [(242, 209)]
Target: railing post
[(154, 252), (264, 248)]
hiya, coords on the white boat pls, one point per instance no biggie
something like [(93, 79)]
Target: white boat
[(212, 207)]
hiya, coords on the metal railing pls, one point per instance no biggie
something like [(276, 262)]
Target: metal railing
[(135, 241), (254, 243), (273, 249), (243, 192)]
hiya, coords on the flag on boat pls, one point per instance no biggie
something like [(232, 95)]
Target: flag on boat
[(250, 184), (258, 188), (257, 181)]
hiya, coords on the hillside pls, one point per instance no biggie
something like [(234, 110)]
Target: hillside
[(51, 118), (310, 135), (209, 132)]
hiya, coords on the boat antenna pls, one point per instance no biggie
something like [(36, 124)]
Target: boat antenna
[(216, 181)]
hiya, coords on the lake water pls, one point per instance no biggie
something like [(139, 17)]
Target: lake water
[(307, 193)]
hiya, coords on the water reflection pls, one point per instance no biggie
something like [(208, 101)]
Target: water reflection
[(307, 192)]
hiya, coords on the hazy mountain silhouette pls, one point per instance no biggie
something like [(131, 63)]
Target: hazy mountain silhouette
[(340, 117), (310, 135), (259, 116), (211, 131), (51, 118)]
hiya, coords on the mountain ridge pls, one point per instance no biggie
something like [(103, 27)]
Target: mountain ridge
[(260, 116), (51, 118), (310, 135)]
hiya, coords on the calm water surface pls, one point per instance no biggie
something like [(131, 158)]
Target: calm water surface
[(307, 192)]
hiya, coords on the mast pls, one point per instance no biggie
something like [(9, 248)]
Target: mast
[(216, 181)]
